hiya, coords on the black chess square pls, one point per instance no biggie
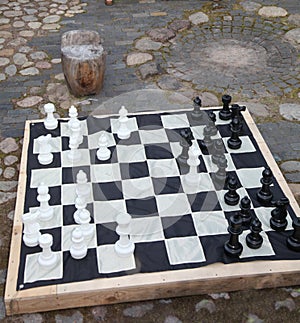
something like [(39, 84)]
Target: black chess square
[(158, 151), (178, 226), (149, 122), (38, 129), (106, 233), (134, 170), (96, 125), (33, 162), (248, 160), (107, 191), (167, 185), (204, 201), (174, 134), (142, 207), (69, 174), (134, 139), (69, 210)]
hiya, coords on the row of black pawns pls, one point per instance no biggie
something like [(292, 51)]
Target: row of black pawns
[(243, 219)]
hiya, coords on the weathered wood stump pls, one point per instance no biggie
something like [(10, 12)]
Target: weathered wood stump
[(83, 62)]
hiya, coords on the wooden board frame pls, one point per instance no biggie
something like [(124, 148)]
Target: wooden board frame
[(213, 278)]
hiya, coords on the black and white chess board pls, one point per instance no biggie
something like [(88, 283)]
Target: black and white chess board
[(175, 225)]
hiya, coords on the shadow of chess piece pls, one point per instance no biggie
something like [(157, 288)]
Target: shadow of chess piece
[(233, 247), (264, 195), (278, 221), (254, 240), (225, 113), (293, 241)]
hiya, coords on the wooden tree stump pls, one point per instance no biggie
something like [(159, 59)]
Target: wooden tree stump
[(83, 62)]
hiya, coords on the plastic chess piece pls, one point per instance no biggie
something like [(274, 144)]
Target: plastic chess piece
[(45, 157), (47, 258), (245, 207), (232, 197), (234, 142), (293, 241), (278, 221), (103, 153), (220, 176), (233, 247), (207, 143), (211, 123), (50, 122), (45, 211), (74, 153), (82, 216), (31, 231), (192, 177), (253, 239), (264, 195), (236, 112), (218, 151), (78, 249), (73, 114), (197, 114), (225, 113), (185, 143), (123, 131), (124, 247), (83, 188)]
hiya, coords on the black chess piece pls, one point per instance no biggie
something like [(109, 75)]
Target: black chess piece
[(245, 207), (219, 177), (278, 221), (236, 112), (218, 151), (233, 247), (234, 142), (264, 195), (211, 123), (293, 241), (185, 143), (197, 114), (253, 239), (232, 197), (225, 113)]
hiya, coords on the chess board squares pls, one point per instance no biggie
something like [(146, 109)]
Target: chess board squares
[(107, 191), (142, 207), (68, 194), (93, 139), (173, 204), (149, 121), (248, 160), (134, 139), (127, 154), (69, 174), (113, 156), (175, 121), (146, 229), (153, 136), (38, 129), (96, 124), (246, 147), (55, 143), (158, 151), (178, 226), (203, 184), (225, 129), (65, 132), (55, 221), (250, 177), (31, 197), (210, 223), (107, 211), (167, 185), (241, 191), (84, 159), (134, 170), (204, 201), (131, 124), (163, 168), (105, 173), (137, 188), (69, 210), (50, 177), (67, 236), (182, 250)]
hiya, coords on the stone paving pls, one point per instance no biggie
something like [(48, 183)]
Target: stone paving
[(248, 49)]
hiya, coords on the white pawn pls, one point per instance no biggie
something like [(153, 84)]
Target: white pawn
[(50, 122), (31, 229), (192, 177), (83, 188), (45, 211), (82, 216), (45, 157), (74, 153), (47, 258), (103, 153), (124, 247), (78, 248), (73, 114), (123, 131)]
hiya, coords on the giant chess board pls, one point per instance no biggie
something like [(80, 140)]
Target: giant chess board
[(179, 230)]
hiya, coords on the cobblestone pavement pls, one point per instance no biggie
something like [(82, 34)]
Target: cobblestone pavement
[(248, 49)]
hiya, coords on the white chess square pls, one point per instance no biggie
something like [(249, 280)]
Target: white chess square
[(153, 136), (246, 147), (162, 167), (107, 211), (105, 173), (250, 177), (65, 132), (241, 192), (68, 194), (146, 229), (210, 223), (109, 261), (175, 121), (83, 160), (55, 221), (67, 237), (55, 143), (264, 216), (50, 177), (212, 168), (34, 271), (184, 250), (137, 188), (198, 132), (129, 154), (131, 124), (93, 139), (220, 121), (265, 250), (173, 204), (203, 184)]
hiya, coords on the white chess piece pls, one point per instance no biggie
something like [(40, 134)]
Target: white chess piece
[(82, 216), (45, 211), (31, 229), (123, 131), (124, 247), (47, 258), (73, 114), (50, 122), (103, 153), (45, 157), (78, 249), (75, 140), (192, 177), (83, 188)]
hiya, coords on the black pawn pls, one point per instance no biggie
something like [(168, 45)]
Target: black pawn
[(185, 143), (218, 151), (264, 195), (197, 113), (254, 240), (233, 247), (225, 113), (219, 178), (232, 197), (234, 142), (293, 241), (278, 221), (211, 123), (245, 207)]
